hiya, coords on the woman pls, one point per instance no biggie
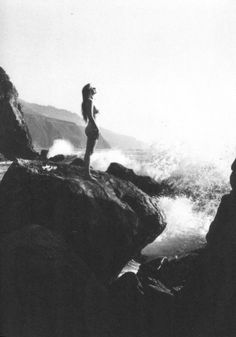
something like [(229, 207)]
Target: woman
[(89, 111)]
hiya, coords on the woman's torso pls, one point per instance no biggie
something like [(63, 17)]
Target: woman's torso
[(91, 129)]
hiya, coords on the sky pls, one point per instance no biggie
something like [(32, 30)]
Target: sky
[(164, 70)]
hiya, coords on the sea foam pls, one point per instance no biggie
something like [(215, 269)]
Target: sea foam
[(198, 182)]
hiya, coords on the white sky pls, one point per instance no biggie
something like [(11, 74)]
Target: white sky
[(163, 68)]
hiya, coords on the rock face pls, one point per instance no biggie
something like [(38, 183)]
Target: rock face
[(15, 140), (222, 232), (106, 222), (221, 240)]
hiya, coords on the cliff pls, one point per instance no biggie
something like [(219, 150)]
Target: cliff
[(15, 139), (44, 130), (38, 115)]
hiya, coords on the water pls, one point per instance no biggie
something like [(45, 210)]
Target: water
[(198, 182)]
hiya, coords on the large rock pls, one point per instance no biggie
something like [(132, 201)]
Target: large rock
[(47, 291), (144, 183), (106, 221), (221, 237), (172, 272), (221, 269), (15, 140)]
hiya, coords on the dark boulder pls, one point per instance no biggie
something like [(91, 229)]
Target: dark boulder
[(58, 158), (173, 272), (46, 291), (221, 237), (144, 183), (221, 268), (44, 154), (78, 162), (106, 221), (15, 140)]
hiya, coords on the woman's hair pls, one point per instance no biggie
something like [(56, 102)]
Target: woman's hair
[(85, 94)]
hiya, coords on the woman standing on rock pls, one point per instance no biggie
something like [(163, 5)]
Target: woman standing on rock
[(92, 132)]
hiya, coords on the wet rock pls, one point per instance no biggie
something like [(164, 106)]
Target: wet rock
[(44, 154), (221, 269), (221, 237), (57, 158), (15, 140), (173, 272), (106, 221), (78, 162), (144, 183)]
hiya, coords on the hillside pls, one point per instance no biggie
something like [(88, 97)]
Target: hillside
[(44, 129), (47, 123), (51, 112), (124, 142)]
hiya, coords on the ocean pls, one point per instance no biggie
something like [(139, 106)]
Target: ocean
[(198, 182)]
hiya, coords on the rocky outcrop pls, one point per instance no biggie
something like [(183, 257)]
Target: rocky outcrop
[(64, 239), (221, 268), (144, 183), (15, 140), (106, 221), (222, 233)]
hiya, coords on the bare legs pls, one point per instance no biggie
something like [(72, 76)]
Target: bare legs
[(91, 142)]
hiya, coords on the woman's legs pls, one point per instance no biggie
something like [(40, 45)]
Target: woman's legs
[(91, 142)]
